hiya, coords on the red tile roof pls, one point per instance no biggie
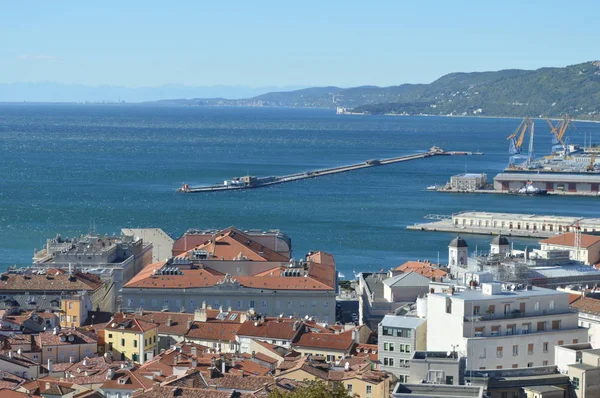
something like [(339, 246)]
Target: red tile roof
[(128, 323), (214, 331), (54, 280), (568, 239), (125, 379), (69, 336), (424, 268), (587, 305), (271, 328), (326, 341)]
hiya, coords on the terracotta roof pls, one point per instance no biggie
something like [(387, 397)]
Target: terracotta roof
[(168, 391), (240, 383), (216, 331), (90, 370), (326, 372), (70, 336), (587, 305), (271, 328), (233, 244), (7, 393), (321, 258), (205, 277), (17, 359), (53, 280), (249, 367), (568, 239), (424, 268), (125, 379), (326, 341), (128, 323), (369, 350), (9, 380), (49, 386), (178, 321)]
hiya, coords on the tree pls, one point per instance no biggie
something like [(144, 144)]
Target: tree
[(314, 389)]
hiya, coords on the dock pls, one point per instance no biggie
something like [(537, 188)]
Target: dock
[(248, 182)]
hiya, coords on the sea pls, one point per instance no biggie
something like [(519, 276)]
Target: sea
[(68, 169)]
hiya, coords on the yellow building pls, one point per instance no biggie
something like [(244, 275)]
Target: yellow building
[(127, 338), (74, 311)]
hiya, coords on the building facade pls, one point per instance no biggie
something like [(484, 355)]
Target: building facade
[(499, 328), (398, 338), (131, 339)]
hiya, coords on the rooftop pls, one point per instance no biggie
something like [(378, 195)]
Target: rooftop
[(437, 390), (477, 294), (568, 240), (407, 322)]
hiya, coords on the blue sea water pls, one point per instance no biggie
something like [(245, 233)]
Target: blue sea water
[(64, 167)]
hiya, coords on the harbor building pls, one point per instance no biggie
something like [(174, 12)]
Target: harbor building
[(500, 327), (575, 183), (234, 271), (114, 259), (398, 338), (468, 182), (505, 223)]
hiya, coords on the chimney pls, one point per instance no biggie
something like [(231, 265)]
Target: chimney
[(194, 362), (204, 304), (347, 366), (194, 351), (200, 314), (47, 385), (169, 321), (10, 354), (50, 367), (223, 367), (19, 351), (253, 354), (110, 374), (243, 316), (71, 359), (189, 323), (356, 336)]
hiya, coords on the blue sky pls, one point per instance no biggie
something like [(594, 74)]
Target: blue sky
[(260, 43)]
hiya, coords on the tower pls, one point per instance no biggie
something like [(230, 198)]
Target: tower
[(500, 245), (458, 252)]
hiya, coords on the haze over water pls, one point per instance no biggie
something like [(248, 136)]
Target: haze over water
[(63, 167)]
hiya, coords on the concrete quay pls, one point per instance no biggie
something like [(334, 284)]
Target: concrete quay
[(253, 182)]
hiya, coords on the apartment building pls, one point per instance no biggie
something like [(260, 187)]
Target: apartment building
[(398, 338), (589, 317), (130, 339), (498, 326)]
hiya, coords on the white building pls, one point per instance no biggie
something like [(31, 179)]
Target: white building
[(499, 328), (589, 317), (398, 338)]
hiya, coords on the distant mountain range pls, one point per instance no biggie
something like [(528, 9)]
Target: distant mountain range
[(58, 92), (543, 92)]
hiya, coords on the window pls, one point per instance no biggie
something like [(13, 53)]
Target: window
[(495, 330), (530, 364), (130, 302), (389, 346), (506, 309), (561, 342), (530, 349), (289, 305), (491, 309), (575, 383), (498, 352), (134, 343), (499, 367), (575, 341), (483, 353), (122, 342), (476, 310), (515, 350), (110, 335), (537, 306), (142, 302), (251, 303), (278, 304), (555, 325), (264, 304), (301, 304), (522, 308), (314, 304), (544, 363), (70, 306), (154, 338), (479, 331), (541, 326), (515, 365), (545, 347), (74, 318), (551, 306), (49, 350), (448, 305), (326, 304), (388, 361), (369, 390), (525, 328), (166, 303), (154, 303), (349, 387), (504, 395), (510, 330)]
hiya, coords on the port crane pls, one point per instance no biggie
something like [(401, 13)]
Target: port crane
[(516, 140), (560, 144)]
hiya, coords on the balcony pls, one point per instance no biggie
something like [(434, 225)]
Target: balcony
[(516, 314)]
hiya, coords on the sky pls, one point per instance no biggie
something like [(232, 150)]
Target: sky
[(282, 43)]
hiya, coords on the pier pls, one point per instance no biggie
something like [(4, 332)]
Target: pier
[(248, 182)]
